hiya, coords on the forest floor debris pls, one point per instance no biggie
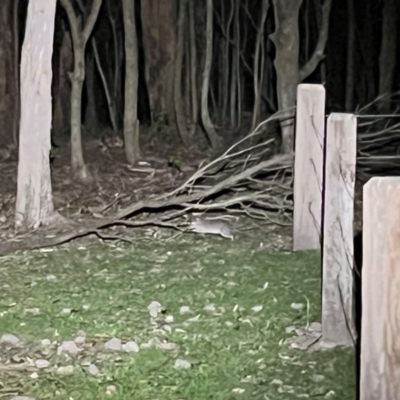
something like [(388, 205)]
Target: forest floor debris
[(193, 318)]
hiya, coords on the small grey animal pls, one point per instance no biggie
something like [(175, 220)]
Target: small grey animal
[(213, 227)]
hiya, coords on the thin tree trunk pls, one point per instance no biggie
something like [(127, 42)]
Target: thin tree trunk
[(179, 110), (351, 36), (62, 87), (257, 67), (34, 205), (193, 64), (110, 99), (8, 93), (286, 40), (79, 39), (91, 117), (131, 123), (387, 57), (159, 41), (226, 64), (234, 69), (205, 116), (16, 70)]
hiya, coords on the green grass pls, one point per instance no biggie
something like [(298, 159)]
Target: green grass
[(235, 353)]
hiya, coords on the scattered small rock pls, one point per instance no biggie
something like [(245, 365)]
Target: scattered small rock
[(111, 389), (9, 339), (41, 363), (69, 346), (66, 312), (169, 319), (93, 370), (80, 339), (297, 306), (182, 364), (184, 310), (45, 342), (65, 370), (114, 344), (276, 382), (32, 311), (167, 346), (34, 375), (154, 309), (210, 307), (318, 378), (256, 308), (51, 278), (131, 347), (290, 329), (238, 390)]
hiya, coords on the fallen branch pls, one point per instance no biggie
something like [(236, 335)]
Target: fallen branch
[(189, 202)]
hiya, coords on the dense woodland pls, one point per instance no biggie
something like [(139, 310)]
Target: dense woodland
[(186, 79)]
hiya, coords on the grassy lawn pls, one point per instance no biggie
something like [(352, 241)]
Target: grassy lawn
[(234, 346)]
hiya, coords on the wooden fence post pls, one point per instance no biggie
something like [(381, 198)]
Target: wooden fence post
[(337, 262), (308, 167), (380, 324)]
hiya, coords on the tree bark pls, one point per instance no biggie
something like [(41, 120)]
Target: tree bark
[(159, 41), (91, 118), (131, 123), (387, 57), (62, 93), (205, 116), (34, 205), (16, 70), (351, 37), (8, 76), (257, 67), (286, 40), (179, 109), (79, 40), (193, 65)]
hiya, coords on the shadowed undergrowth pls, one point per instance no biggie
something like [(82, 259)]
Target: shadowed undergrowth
[(225, 310)]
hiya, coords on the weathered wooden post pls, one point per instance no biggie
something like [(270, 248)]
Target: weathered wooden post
[(380, 325), (337, 276), (308, 167)]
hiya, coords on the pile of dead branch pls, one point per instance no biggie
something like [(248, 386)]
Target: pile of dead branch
[(379, 140), (247, 179)]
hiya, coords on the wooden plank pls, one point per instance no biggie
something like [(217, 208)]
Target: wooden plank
[(308, 167), (337, 276), (380, 325)]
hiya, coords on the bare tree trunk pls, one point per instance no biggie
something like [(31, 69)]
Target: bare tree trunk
[(8, 77), (286, 40), (16, 71), (351, 40), (62, 93), (159, 41), (110, 99), (234, 64), (257, 67), (387, 57), (193, 65), (131, 123), (34, 205), (226, 63), (208, 125), (179, 110), (91, 121), (79, 40)]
